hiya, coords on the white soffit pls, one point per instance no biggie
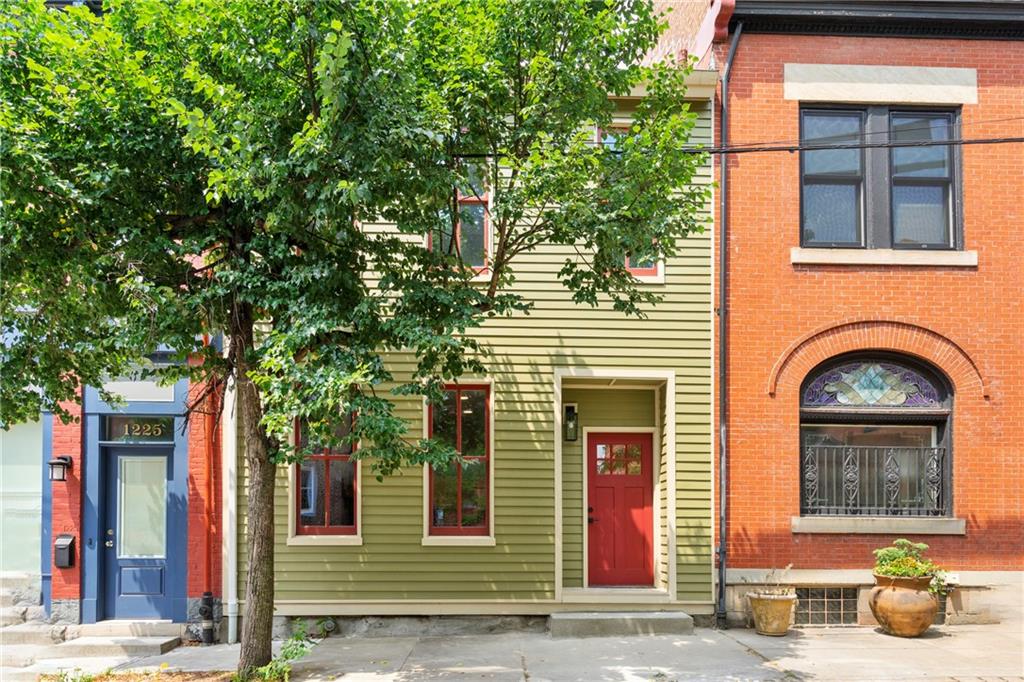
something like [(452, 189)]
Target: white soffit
[(881, 84)]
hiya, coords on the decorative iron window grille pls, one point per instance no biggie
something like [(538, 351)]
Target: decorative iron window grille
[(873, 481), (875, 439)]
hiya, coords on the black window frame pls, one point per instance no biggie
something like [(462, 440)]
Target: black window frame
[(875, 203)]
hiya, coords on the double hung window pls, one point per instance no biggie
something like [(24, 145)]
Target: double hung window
[(469, 234), (326, 487), (460, 493), (611, 138)]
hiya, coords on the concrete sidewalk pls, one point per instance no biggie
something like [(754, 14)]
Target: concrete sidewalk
[(967, 652)]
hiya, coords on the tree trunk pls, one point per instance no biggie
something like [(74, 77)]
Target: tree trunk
[(259, 583), (258, 617)]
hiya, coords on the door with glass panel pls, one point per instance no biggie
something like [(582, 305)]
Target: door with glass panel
[(136, 533)]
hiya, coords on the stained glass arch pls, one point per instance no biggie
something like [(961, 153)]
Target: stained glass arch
[(874, 382)]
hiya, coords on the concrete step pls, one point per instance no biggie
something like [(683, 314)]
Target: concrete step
[(33, 633), (114, 646), (19, 655), (12, 615), (78, 668), (619, 623), (25, 595), (128, 628), (18, 675)]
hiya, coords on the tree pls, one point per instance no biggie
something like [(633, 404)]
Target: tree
[(175, 170)]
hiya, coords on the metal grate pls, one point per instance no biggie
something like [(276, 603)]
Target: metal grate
[(873, 481), (826, 606)]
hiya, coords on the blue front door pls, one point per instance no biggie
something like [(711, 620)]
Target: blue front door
[(142, 527)]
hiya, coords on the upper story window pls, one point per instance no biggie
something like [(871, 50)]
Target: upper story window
[(472, 229), (327, 487), (460, 495), (611, 138), (902, 197), (875, 439)]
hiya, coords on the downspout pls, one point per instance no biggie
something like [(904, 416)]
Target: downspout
[(720, 611), (209, 425), (229, 502)]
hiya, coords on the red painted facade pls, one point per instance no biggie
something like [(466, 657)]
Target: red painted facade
[(204, 498), (968, 322)]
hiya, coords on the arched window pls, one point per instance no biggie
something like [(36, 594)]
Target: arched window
[(875, 438)]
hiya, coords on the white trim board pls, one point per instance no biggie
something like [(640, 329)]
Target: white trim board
[(880, 84), (434, 607), (665, 377)]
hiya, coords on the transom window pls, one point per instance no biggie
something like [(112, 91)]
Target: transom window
[(874, 437), (327, 487), (459, 495), (902, 197), (471, 234)]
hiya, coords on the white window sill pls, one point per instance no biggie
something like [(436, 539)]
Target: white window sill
[(650, 279), (878, 524), (325, 541), (811, 256), (458, 541)]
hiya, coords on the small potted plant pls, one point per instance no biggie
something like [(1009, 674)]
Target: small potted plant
[(772, 605), (904, 600)]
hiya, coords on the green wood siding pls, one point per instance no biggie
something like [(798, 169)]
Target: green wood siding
[(525, 351)]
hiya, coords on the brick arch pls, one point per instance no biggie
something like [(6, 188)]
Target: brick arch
[(819, 345)]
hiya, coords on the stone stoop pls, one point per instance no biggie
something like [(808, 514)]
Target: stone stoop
[(128, 628), (20, 599), (619, 624), (12, 615), (19, 655), (33, 633), (108, 647)]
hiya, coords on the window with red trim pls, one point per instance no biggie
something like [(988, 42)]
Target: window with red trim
[(642, 268), (460, 494), (472, 229), (611, 138), (326, 487)]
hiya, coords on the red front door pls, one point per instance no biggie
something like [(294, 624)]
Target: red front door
[(620, 515)]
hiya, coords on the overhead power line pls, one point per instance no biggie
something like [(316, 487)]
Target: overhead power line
[(758, 149), (753, 149)]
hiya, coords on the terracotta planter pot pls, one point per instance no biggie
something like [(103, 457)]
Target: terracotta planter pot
[(903, 606), (772, 612)]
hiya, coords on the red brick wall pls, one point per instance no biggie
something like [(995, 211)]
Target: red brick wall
[(968, 322), (204, 510), (67, 502)]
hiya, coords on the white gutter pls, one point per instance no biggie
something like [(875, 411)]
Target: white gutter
[(229, 502)]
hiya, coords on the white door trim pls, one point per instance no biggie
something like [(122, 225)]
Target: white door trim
[(667, 378)]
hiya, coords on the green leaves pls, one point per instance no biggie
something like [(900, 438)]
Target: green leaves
[(173, 164)]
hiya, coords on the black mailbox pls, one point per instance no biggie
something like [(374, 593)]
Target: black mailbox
[(64, 551)]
